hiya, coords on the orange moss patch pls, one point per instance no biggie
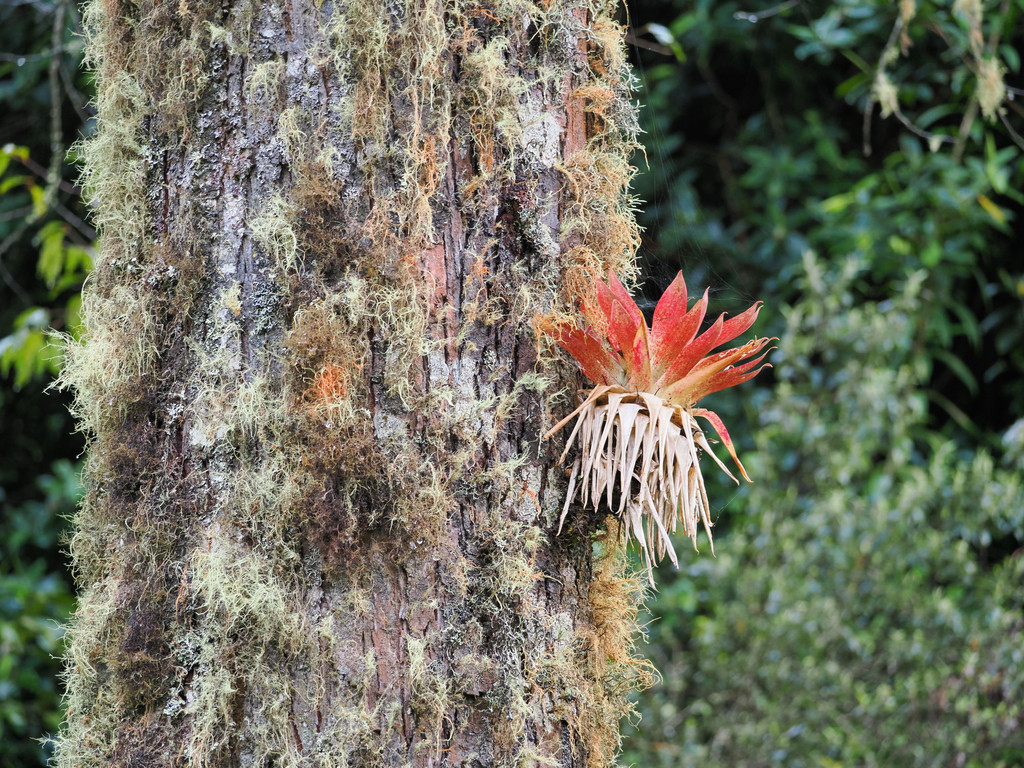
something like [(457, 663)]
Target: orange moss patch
[(330, 384)]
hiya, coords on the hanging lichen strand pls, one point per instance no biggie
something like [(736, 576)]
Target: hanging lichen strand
[(639, 442), (317, 529)]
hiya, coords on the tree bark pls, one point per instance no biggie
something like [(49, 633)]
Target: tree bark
[(319, 523)]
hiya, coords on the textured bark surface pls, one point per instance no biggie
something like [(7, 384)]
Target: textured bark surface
[(319, 527)]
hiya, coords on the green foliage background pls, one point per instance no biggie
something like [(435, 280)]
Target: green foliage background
[(45, 247), (864, 608), (855, 164)]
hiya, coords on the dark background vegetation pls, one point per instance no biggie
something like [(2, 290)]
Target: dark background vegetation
[(853, 164)]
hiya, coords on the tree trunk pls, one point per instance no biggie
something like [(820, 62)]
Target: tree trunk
[(319, 523)]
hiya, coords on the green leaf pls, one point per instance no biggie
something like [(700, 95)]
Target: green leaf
[(77, 260), (28, 359), (73, 315), (38, 199), (931, 255), (10, 183), (51, 254), (33, 317), (867, 69), (26, 350), (900, 245), (968, 324), (929, 116), (958, 368), (1009, 54), (836, 203), (998, 214), (685, 23), (15, 151), (664, 35), (848, 85)]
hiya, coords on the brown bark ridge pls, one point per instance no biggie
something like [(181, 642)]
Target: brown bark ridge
[(319, 520)]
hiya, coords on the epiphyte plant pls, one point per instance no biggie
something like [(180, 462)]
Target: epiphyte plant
[(640, 442)]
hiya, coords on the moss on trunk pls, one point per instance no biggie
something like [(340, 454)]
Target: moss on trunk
[(319, 526)]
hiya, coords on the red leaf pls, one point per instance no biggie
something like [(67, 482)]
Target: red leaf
[(671, 309), (669, 339), (691, 388), (723, 435), (729, 378), (622, 296), (641, 360), (740, 324), (621, 334), (669, 314), (692, 353), (595, 359), (669, 359)]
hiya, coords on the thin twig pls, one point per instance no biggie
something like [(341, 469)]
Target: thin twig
[(753, 18), (22, 58), (928, 135), (41, 8), (1017, 138), (972, 110), (47, 54), (54, 177), (42, 172), (17, 213), (8, 278), (869, 108), (631, 39), (86, 231), (78, 101)]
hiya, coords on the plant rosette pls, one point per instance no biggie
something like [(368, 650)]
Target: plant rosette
[(640, 444)]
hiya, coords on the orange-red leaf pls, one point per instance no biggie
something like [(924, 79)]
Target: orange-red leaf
[(621, 329), (740, 324), (622, 296), (605, 299), (691, 387), (692, 354), (729, 378), (669, 359), (670, 310), (723, 434), (641, 362), (594, 358), (670, 339)]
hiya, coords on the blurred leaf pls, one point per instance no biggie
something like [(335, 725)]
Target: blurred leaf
[(6, 185), (26, 350), (665, 36), (993, 210), (38, 199), (931, 255), (956, 365), (848, 86), (51, 253)]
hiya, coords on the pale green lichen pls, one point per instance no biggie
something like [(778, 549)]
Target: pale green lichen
[(114, 175), (272, 227), (265, 83), (110, 366)]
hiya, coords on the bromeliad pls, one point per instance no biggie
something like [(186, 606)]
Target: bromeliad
[(640, 442)]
